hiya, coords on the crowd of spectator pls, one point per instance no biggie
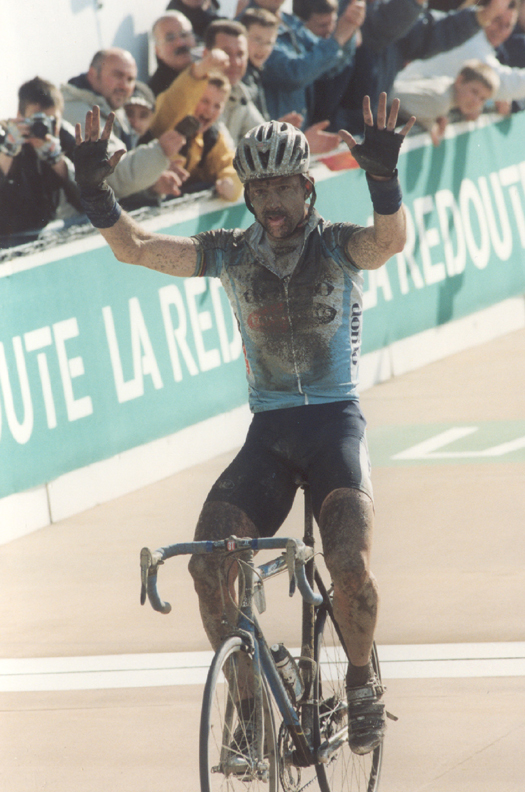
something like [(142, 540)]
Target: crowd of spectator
[(217, 77)]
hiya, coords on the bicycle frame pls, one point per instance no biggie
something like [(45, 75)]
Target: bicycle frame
[(299, 560)]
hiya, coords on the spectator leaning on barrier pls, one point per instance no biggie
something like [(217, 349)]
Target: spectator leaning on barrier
[(398, 31), (35, 169), (432, 99), (209, 153), (109, 83), (481, 47), (174, 40), (199, 12)]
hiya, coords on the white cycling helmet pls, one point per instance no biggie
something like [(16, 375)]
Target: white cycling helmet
[(272, 149)]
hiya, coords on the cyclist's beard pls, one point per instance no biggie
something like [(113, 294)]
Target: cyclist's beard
[(280, 224)]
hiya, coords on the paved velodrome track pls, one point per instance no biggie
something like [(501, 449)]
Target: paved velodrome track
[(98, 694)]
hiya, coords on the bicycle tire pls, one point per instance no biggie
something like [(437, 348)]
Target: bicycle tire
[(220, 718), (345, 771)]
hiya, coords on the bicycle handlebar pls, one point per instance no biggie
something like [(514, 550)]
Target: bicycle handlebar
[(297, 554)]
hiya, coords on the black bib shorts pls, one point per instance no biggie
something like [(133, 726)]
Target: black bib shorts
[(324, 444)]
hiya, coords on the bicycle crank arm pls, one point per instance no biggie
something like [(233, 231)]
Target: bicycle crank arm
[(327, 749)]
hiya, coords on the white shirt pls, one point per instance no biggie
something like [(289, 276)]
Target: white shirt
[(449, 64)]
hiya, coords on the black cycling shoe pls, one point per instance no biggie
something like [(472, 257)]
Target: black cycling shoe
[(366, 716), (242, 751)]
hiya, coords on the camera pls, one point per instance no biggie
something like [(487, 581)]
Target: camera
[(40, 125)]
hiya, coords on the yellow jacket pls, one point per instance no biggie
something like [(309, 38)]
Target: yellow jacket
[(178, 101)]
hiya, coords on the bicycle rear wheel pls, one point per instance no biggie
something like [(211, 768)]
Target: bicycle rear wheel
[(344, 771), (224, 733)]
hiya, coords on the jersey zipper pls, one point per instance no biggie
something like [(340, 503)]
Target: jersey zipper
[(286, 281)]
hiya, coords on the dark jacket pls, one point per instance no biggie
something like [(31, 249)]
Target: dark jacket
[(30, 194), (394, 33), (253, 81), (162, 78), (199, 18)]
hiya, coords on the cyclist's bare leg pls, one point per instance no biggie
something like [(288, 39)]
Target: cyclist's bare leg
[(214, 580), (346, 523)]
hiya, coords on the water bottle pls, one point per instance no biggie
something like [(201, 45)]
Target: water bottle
[(288, 670)]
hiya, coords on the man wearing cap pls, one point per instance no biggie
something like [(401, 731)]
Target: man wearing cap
[(140, 108), (295, 284)]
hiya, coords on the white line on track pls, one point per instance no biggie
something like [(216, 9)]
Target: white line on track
[(418, 661)]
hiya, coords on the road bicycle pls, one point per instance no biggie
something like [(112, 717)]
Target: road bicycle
[(270, 721)]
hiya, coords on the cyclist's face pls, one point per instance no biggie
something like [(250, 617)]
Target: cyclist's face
[(279, 204)]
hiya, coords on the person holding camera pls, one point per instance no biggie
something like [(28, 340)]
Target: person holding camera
[(36, 172)]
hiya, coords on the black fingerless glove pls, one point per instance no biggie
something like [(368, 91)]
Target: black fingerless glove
[(96, 196), (379, 151)]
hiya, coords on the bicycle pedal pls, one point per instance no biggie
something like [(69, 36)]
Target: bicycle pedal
[(392, 717)]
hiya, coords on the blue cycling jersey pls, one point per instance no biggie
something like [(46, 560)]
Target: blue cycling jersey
[(301, 332)]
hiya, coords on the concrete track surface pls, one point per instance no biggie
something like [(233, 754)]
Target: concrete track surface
[(88, 703)]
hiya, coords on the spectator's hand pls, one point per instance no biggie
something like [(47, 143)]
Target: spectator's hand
[(92, 164), (171, 142), (321, 142), (48, 150), (179, 171), (486, 14), (350, 20), (226, 188), (168, 183), (438, 130), (214, 60), (240, 7), (293, 118), (15, 136), (378, 152), (504, 108)]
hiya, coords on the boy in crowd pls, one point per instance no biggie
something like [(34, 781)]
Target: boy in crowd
[(140, 109), (432, 99), (209, 153), (36, 173), (262, 27), (261, 33)]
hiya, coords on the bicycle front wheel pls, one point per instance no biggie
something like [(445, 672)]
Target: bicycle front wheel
[(343, 770), (226, 757)]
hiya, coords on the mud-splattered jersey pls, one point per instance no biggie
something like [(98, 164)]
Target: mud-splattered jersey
[(301, 332)]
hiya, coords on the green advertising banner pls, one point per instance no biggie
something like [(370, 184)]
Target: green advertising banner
[(97, 357)]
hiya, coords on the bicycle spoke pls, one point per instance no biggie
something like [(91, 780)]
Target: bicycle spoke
[(228, 761), (344, 771)]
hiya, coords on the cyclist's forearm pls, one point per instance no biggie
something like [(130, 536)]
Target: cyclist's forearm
[(371, 247), (132, 244)]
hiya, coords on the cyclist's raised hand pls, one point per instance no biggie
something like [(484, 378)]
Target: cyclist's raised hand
[(92, 164), (379, 151)]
